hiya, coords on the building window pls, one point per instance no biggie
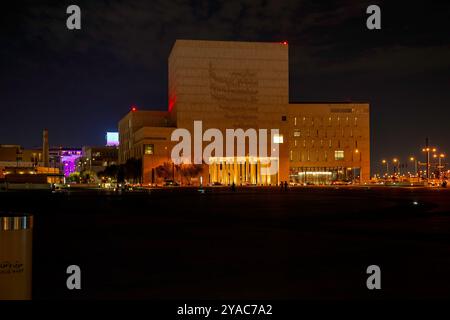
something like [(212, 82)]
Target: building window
[(149, 148), (295, 121), (297, 133), (283, 118), (278, 138), (290, 155), (339, 155)]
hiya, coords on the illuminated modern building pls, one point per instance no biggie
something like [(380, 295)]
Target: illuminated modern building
[(65, 159), (230, 85), (329, 142)]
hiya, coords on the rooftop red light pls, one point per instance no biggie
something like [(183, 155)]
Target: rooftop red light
[(133, 109), (285, 43)]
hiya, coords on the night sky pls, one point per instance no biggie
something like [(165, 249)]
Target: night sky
[(78, 84)]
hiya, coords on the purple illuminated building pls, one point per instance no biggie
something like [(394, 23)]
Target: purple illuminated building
[(65, 159), (68, 161)]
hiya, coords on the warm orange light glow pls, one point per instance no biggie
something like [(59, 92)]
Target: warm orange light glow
[(383, 161), (395, 160), (412, 158)]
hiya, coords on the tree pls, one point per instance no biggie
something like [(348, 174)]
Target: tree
[(110, 171), (88, 176), (74, 177), (164, 171), (121, 174), (133, 170), (189, 171)]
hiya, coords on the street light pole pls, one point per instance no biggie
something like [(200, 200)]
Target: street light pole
[(415, 165), (427, 149), (360, 169), (395, 160), (387, 166)]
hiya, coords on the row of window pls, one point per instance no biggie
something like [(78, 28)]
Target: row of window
[(304, 121), (312, 143), (339, 155), (326, 133)]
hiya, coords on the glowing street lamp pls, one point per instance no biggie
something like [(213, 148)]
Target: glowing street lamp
[(441, 156), (387, 165), (413, 159), (395, 160), (354, 170), (427, 150)]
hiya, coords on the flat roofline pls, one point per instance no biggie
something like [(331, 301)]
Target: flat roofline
[(329, 102), (281, 41)]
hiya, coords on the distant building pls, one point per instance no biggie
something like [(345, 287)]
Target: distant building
[(96, 159), (16, 156), (65, 159), (230, 85), (18, 165), (112, 139)]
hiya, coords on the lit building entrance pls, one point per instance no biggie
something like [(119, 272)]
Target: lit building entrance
[(323, 175), (242, 170)]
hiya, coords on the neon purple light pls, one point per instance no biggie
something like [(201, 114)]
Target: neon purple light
[(68, 160)]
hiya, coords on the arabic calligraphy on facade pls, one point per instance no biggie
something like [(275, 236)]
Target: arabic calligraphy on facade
[(236, 93)]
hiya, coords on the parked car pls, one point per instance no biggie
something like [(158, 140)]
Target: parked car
[(341, 183), (171, 183)]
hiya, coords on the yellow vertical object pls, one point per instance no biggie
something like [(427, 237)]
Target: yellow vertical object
[(16, 239), (236, 172)]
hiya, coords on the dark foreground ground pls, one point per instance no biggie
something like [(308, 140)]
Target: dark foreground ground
[(306, 243)]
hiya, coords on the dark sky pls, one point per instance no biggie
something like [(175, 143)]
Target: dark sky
[(78, 84)]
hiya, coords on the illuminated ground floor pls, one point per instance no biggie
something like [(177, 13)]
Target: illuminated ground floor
[(254, 171), (323, 175), (244, 170)]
